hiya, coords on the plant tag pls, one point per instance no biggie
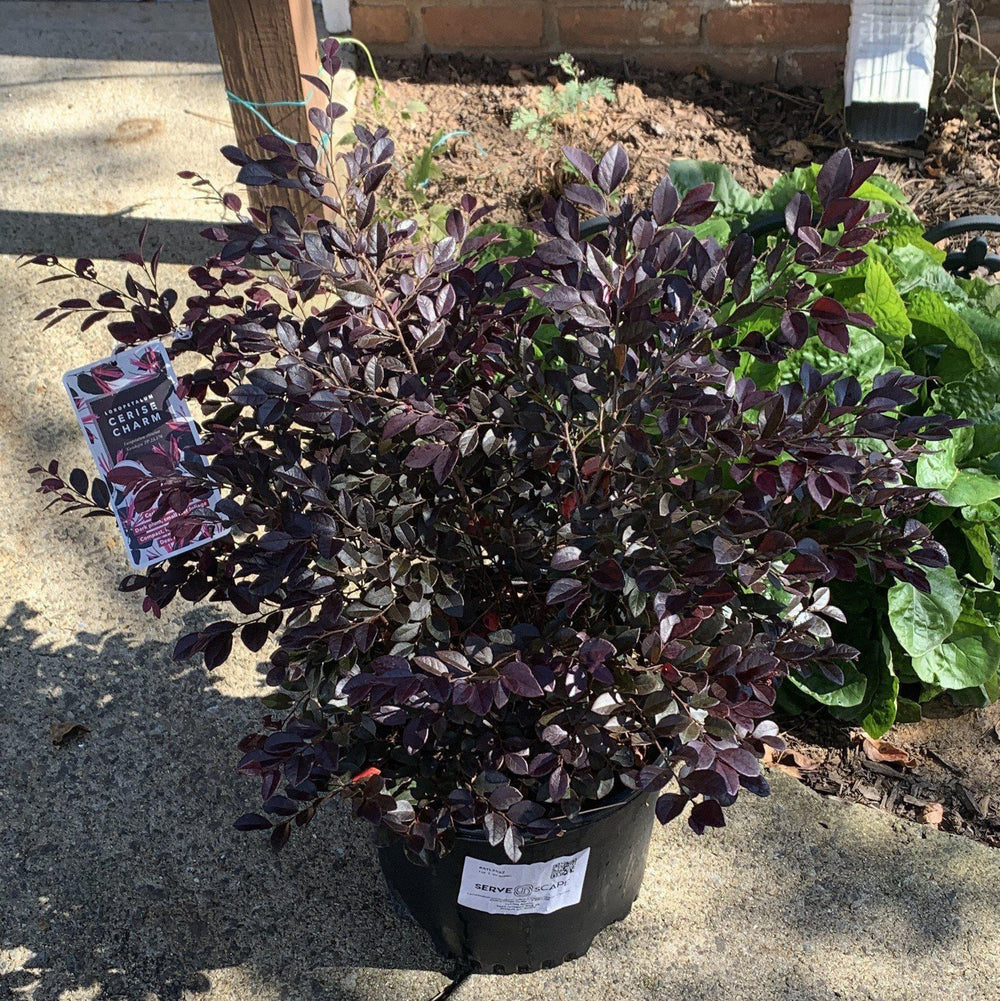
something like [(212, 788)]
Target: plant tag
[(539, 888), (136, 425)]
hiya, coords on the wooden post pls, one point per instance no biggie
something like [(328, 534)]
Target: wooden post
[(265, 46)]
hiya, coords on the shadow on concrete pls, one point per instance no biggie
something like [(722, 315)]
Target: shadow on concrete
[(122, 870), (123, 873), (100, 237), (90, 32)]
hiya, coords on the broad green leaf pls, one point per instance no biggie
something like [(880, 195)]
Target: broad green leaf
[(951, 366), (515, 241), (985, 294), (986, 437), (973, 394), (935, 322), (848, 288), (885, 306), (822, 689), (764, 374), (988, 605), (985, 321), (908, 711), (716, 227), (780, 193), (883, 186), (910, 234), (732, 197), (883, 689), (967, 659), (982, 514), (929, 692), (939, 470), (918, 269), (980, 696), (939, 467), (921, 621), (865, 360), (903, 228), (877, 710), (980, 555), (972, 487)]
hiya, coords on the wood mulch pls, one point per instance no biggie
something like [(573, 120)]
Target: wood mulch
[(943, 771)]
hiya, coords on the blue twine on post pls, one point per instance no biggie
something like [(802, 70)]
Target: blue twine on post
[(324, 139), (252, 107)]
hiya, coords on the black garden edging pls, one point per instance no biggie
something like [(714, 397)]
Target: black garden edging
[(976, 255), (958, 262)]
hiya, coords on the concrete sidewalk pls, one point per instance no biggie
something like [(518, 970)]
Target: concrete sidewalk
[(120, 874)]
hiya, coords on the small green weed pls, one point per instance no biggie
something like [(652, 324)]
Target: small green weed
[(555, 103)]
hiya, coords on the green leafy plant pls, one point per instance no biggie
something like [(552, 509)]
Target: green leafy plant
[(415, 201), (425, 167), (915, 646), (557, 103)]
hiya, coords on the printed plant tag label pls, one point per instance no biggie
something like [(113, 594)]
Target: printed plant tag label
[(539, 888), (136, 425)]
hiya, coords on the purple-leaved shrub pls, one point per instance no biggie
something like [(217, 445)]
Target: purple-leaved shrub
[(525, 538)]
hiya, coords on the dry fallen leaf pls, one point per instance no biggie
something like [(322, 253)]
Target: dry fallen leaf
[(790, 761), (882, 750), (794, 151), (64, 731), (933, 814), (520, 75)]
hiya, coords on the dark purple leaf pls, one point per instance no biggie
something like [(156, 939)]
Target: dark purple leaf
[(612, 169), (252, 822), (519, 680), (707, 813), (835, 176), (583, 162), (669, 806)]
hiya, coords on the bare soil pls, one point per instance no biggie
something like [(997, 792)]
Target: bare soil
[(756, 131)]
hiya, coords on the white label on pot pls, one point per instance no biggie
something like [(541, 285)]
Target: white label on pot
[(539, 888)]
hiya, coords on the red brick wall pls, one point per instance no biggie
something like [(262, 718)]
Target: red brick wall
[(787, 41)]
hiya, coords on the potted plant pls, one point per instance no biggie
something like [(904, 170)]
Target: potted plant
[(534, 554)]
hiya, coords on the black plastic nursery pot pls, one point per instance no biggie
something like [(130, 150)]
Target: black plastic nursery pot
[(501, 917)]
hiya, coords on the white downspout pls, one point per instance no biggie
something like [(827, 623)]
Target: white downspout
[(889, 68)]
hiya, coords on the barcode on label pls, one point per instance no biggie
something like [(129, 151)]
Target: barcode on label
[(563, 868)]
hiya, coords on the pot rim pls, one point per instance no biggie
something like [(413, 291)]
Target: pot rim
[(618, 799)]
